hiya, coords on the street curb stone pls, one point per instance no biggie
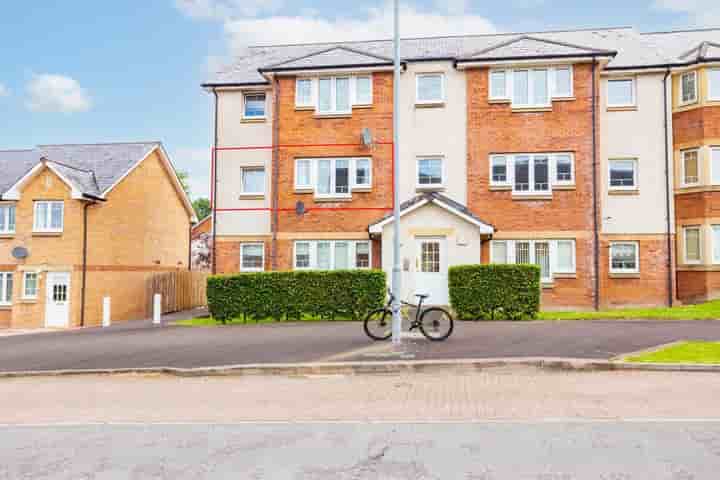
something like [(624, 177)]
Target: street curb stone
[(382, 367)]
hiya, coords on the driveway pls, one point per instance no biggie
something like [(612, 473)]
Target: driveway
[(139, 344)]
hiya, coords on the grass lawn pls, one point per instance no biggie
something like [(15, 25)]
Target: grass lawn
[(686, 352), (211, 322), (703, 311)]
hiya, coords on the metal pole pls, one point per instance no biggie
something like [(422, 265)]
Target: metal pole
[(396, 272)]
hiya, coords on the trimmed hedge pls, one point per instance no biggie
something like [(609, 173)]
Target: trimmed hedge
[(328, 294), (488, 292)]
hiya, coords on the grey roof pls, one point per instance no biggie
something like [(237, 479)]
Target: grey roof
[(530, 47), (430, 197), (92, 169), (679, 45), (331, 57), (633, 50)]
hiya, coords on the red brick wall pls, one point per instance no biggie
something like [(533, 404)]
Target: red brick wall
[(696, 124), (698, 286), (697, 205)]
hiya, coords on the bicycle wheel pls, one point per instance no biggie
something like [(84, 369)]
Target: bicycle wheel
[(378, 324), (436, 324)]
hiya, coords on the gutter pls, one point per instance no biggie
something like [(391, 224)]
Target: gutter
[(275, 173), (596, 234), (214, 185), (85, 253), (667, 193)]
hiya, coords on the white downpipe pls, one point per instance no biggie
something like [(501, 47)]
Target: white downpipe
[(157, 308), (396, 272), (106, 312)]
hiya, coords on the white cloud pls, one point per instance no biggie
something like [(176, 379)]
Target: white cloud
[(701, 12), (4, 91), (196, 162), (56, 93)]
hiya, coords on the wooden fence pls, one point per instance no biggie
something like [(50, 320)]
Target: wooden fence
[(181, 290)]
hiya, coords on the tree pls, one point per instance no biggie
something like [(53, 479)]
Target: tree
[(202, 208), (183, 177)]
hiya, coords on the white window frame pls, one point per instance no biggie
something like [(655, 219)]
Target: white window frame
[(510, 255), (636, 248), (244, 100), (311, 171), (313, 92), (508, 161), (682, 167), (438, 101), (531, 191), (553, 82), (552, 93), (508, 75), (714, 151), (252, 244), (3, 287), (633, 94), (333, 95), (48, 219), (554, 257), (531, 88), (715, 244), (694, 99), (5, 225), (333, 177), (245, 169), (30, 296), (632, 187), (685, 230), (353, 173), (712, 86), (554, 181), (430, 186), (314, 176), (353, 90), (313, 256)]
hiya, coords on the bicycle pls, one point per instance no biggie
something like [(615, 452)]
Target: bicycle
[(435, 323)]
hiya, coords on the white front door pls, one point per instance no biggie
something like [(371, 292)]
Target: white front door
[(431, 269), (57, 301)]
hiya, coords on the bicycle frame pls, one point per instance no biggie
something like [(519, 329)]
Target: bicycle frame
[(418, 308)]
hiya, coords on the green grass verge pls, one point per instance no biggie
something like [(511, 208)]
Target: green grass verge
[(686, 352), (211, 322), (703, 311)]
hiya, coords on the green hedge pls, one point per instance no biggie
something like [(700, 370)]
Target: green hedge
[(293, 295), (488, 292)]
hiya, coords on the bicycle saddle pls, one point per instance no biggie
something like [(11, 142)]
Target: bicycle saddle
[(422, 295)]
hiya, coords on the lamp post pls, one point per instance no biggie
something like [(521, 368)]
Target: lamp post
[(396, 271)]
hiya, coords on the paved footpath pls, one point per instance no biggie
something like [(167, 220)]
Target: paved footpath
[(139, 344)]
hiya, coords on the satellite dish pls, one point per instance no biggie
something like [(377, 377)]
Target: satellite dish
[(20, 253), (366, 137), (300, 208)]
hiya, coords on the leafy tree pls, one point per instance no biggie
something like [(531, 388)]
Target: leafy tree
[(202, 208), (183, 176)]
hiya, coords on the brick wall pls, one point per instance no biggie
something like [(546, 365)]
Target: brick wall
[(696, 124)]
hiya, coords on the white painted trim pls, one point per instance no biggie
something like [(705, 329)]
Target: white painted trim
[(253, 244), (243, 169), (13, 192), (508, 75), (712, 152), (25, 296), (313, 256), (462, 65), (439, 101), (694, 100), (710, 84), (48, 219), (377, 228), (553, 82), (682, 167), (636, 175), (685, 229), (636, 245), (3, 283), (713, 228), (353, 91), (9, 207), (250, 93), (443, 172), (633, 91), (313, 89)]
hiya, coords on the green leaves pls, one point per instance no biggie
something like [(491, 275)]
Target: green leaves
[(290, 295), (490, 292)]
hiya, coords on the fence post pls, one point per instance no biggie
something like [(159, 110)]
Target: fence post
[(157, 308), (106, 312)]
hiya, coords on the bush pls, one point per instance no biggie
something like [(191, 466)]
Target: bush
[(328, 294), (489, 292)]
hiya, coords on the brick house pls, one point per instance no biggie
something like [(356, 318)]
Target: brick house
[(568, 149), (82, 222)]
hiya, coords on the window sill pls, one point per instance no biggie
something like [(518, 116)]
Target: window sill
[(563, 99), (626, 108), (565, 275), (543, 196), (362, 189), (28, 300), (564, 187), (5, 306), (252, 196), (362, 107), (619, 275), (547, 285), (430, 105), (47, 234), (531, 109), (500, 188), (634, 191), (253, 120), (7, 235), (304, 190), (304, 109), (499, 101), (332, 115), (332, 199), (430, 188)]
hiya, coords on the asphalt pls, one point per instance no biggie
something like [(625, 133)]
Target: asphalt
[(142, 345)]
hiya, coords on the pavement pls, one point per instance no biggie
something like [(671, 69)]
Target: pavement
[(143, 345)]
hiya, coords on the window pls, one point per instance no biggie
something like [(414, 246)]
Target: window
[(624, 257), (563, 84), (564, 173), (690, 167), (498, 85), (529, 174), (7, 219), (693, 251), (334, 95), (715, 164), (531, 88), (362, 173), (429, 172), (30, 285), (499, 170), (623, 174), (714, 84), (254, 106), (621, 92), (303, 173), (532, 174), (363, 91), (252, 257), (253, 180), (333, 177), (688, 88), (716, 243), (332, 254), (48, 217), (304, 92), (6, 288), (430, 88), (552, 256)]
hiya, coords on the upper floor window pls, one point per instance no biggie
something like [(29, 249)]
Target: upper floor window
[(499, 173), (552, 256), (621, 92), (714, 84), (6, 288), (430, 88), (333, 177), (253, 180), (531, 87), (331, 254), (252, 257), (7, 219), (690, 167), (304, 92), (624, 257), (715, 164), (333, 95), (363, 90), (688, 88), (430, 172), (623, 174), (254, 106), (48, 217), (532, 173)]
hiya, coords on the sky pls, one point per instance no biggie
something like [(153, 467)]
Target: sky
[(84, 71)]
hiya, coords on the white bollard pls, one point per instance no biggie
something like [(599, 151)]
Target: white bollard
[(106, 312), (157, 308)]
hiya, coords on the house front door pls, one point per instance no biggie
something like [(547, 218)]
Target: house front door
[(431, 269), (57, 301)]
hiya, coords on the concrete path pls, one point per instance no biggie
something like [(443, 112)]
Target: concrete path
[(140, 344)]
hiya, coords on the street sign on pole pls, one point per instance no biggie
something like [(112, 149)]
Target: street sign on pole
[(396, 272)]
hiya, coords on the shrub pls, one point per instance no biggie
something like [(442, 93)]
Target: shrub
[(345, 293), (488, 292)]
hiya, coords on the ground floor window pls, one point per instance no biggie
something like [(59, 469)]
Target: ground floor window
[(30, 285), (331, 254), (6, 288), (552, 256), (252, 257), (692, 250), (624, 257)]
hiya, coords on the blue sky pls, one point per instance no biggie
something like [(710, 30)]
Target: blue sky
[(82, 71)]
